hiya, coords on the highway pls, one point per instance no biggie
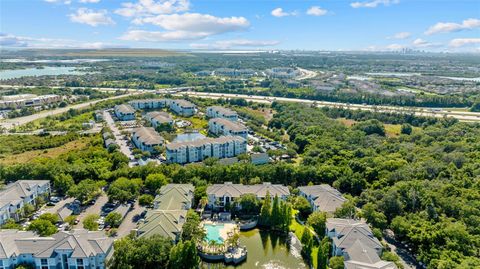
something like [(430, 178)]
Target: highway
[(427, 112), (180, 91)]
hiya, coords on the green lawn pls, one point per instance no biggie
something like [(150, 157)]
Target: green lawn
[(297, 228)]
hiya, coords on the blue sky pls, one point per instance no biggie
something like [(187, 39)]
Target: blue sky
[(243, 24)]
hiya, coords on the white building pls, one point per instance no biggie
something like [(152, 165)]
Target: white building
[(221, 194), (221, 126), (322, 197), (79, 249), (182, 107), (28, 100), (146, 139), (354, 240), (16, 195), (149, 103), (124, 112), (221, 112), (158, 118), (199, 150)]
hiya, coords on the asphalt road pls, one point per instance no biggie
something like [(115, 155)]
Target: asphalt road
[(440, 113), (11, 123), (93, 209), (122, 143), (130, 221)]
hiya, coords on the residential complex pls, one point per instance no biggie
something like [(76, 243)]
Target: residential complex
[(158, 118), (17, 194), (198, 150), (79, 249), (171, 207), (179, 106), (182, 107), (174, 196), (354, 240), (221, 112), (221, 126), (146, 139), (322, 197), (220, 195), (28, 100), (148, 103), (124, 112)]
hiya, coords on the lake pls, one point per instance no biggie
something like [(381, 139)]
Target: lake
[(267, 250), (46, 71)]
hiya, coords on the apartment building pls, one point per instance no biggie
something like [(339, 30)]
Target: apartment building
[(146, 139), (182, 107), (124, 112), (149, 103), (198, 150), (158, 118), (222, 112), (19, 193), (28, 100), (322, 197), (78, 249), (221, 194), (354, 240), (221, 126)]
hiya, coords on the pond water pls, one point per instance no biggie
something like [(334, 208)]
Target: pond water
[(45, 71), (188, 137), (267, 250)]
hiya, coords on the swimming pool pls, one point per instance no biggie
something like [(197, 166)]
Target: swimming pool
[(213, 232)]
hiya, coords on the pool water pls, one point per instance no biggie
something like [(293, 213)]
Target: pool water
[(213, 233)]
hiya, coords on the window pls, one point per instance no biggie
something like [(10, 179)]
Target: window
[(44, 263), (1, 264), (80, 264)]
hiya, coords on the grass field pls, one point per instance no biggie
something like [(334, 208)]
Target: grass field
[(297, 229), (54, 124), (46, 153), (392, 130)]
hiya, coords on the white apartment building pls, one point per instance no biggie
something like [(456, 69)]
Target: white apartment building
[(182, 107), (199, 150), (158, 118), (124, 112), (78, 249), (17, 194), (221, 126), (221, 194), (28, 100), (149, 103), (222, 112), (146, 139)]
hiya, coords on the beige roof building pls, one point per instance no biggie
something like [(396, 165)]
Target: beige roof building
[(323, 197), (167, 223), (174, 197)]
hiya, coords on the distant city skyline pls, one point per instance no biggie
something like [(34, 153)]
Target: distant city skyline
[(334, 25)]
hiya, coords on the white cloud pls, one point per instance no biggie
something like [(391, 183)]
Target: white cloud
[(316, 11), (152, 7), (421, 43), (9, 40), (373, 3), (460, 42), (158, 36), (235, 43), (278, 12), (400, 35), (66, 2), (395, 47), (91, 17), (89, 1), (448, 27), (188, 26)]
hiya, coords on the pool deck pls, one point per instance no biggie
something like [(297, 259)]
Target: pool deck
[(228, 228)]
